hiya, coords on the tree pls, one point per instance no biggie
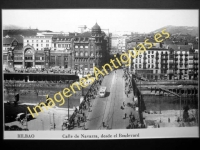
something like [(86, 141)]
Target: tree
[(185, 113)]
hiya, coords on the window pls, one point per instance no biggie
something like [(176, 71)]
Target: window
[(136, 60), (41, 45), (86, 46), (41, 40), (63, 45), (148, 66), (36, 40), (156, 71), (27, 41), (32, 40), (148, 60), (47, 41), (86, 53), (148, 56), (152, 52), (59, 45), (47, 45), (76, 46), (139, 60), (152, 61), (37, 45), (139, 65), (81, 46), (33, 45), (149, 52)]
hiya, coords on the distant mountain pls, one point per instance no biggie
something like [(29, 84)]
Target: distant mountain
[(11, 27), (179, 29)]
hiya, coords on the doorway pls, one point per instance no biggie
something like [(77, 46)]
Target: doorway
[(28, 64)]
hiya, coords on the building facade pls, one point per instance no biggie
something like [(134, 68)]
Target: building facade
[(166, 62), (74, 50)]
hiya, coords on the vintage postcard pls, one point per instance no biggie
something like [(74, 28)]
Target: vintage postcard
[(100, 73)]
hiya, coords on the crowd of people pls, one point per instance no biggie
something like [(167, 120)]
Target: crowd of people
[(52, 70), (79, 115)]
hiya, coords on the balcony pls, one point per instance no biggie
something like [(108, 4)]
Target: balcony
[(170, 71), (164, 62), (144, 57), (181, 54)]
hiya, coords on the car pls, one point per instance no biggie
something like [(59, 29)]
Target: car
[(20, 116), (29, 117), (15, 127)]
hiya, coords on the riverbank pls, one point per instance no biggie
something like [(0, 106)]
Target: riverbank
[(168, 118)]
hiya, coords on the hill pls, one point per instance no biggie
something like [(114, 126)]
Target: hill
[(193, 31)]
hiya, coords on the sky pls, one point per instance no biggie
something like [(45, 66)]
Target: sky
[(68, 20)]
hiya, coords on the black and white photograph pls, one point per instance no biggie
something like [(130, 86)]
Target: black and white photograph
[(100, 73)]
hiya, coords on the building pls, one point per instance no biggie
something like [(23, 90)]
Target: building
[(72, 50), (118, 44), (169, 61)]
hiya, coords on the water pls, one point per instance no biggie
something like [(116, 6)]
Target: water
[(157, 103)]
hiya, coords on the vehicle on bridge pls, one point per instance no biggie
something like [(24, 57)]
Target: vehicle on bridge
[(102, 91)]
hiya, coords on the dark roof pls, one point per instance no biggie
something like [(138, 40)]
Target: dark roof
[(19, 38), (86, 34), (195, 46), (182, 47), (23, 32), (8, 40), (18, 47), (141, 39), (96, 27)]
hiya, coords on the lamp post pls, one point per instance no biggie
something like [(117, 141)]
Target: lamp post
[(68, 107), (180, 104), (54, 125), (42, 124)]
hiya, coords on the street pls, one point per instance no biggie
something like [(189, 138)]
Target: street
[(108, 109)]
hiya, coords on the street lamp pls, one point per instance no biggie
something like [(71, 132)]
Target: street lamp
[(42, 124), (180, 102)]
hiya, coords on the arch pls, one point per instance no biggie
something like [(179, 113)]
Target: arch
[(30, 49)]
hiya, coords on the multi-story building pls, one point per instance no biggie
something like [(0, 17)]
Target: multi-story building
[(165, 62), (118, 44), (73, 50)]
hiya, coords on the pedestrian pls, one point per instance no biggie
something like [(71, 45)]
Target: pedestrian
[(124, 103), (125, 116), (104, 124), (168, 120), (78, 122)]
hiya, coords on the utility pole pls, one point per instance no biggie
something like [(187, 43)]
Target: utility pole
[(68, 107), (54, 125), (180, 107)]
